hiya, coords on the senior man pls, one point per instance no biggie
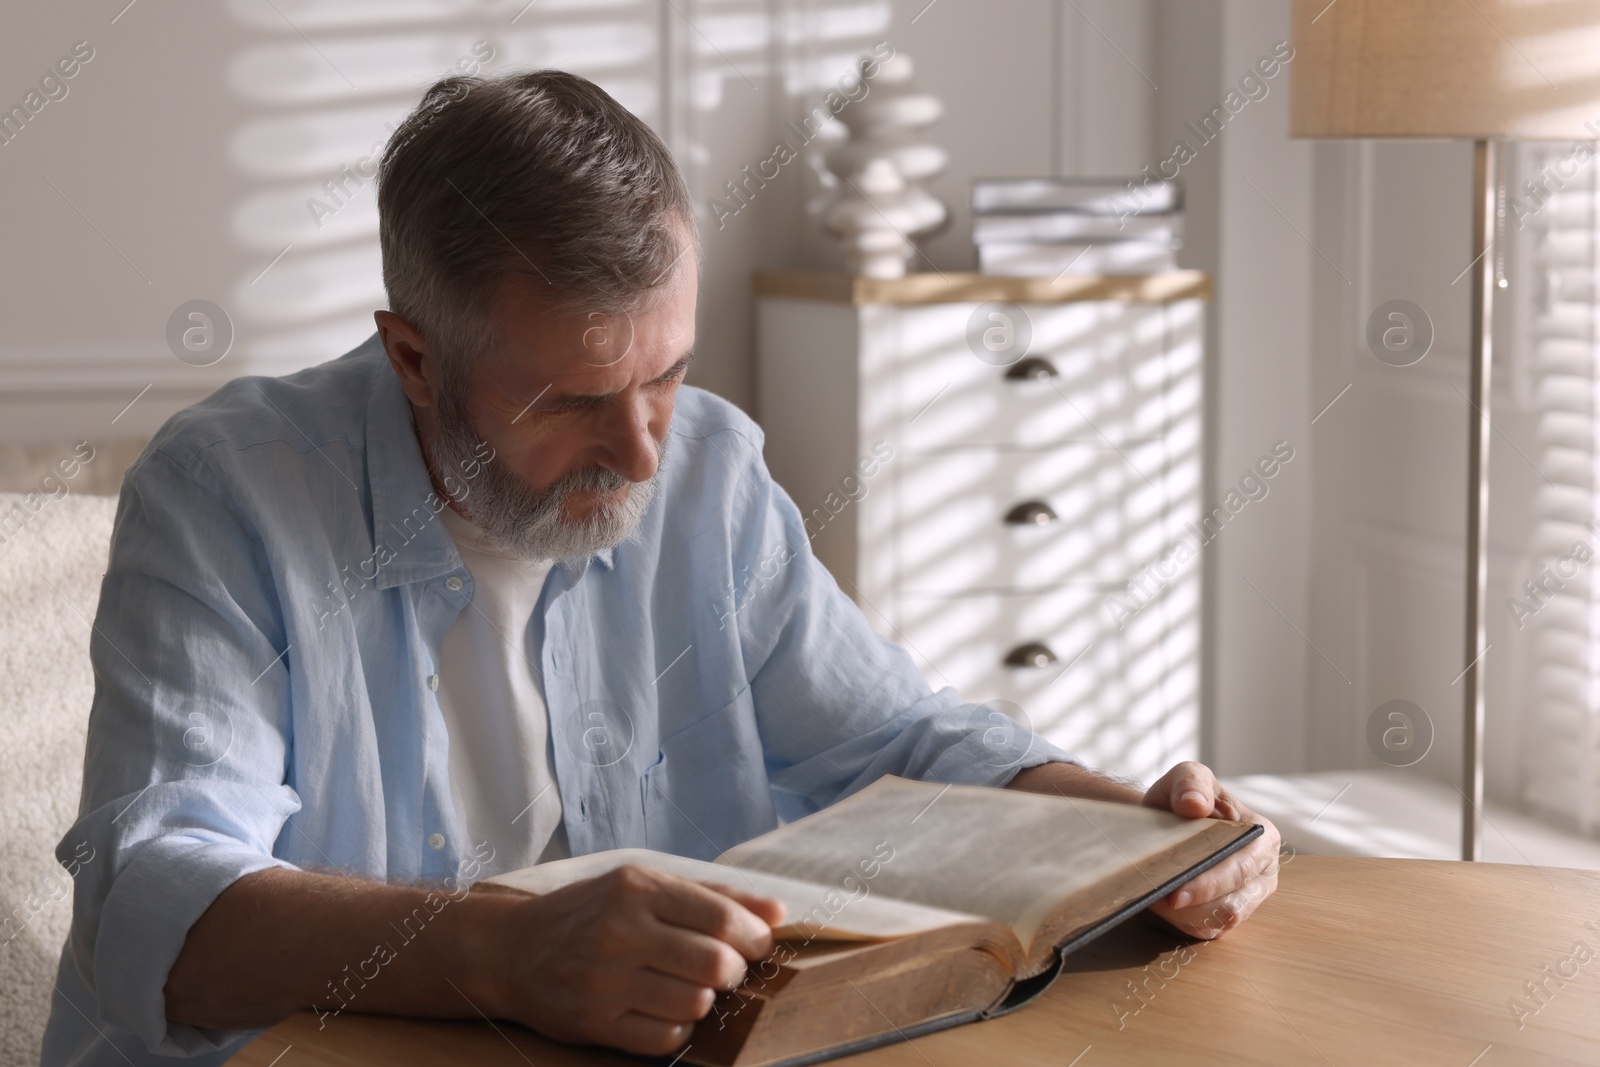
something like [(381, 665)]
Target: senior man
[(473, 596)]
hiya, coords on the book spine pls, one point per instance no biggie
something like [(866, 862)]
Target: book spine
[(1022, 260), (1093, 198), (1071, 226)]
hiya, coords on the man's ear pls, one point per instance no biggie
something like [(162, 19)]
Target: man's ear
[(409, 356)]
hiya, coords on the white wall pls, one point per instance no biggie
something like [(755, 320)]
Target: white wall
[(1388, 560), (180, 162), (1249, 192), (188, 146)]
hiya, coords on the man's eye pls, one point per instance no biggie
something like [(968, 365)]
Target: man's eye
[(566, 405)]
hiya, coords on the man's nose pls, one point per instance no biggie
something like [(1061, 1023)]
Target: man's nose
[(632, 448)]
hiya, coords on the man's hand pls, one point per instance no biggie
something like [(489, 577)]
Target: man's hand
[(1210, 903), (630, 959), (1224, 896)]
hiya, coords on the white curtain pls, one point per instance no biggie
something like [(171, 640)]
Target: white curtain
[(1556, 591)]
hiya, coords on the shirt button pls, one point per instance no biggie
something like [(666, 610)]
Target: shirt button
[(453, 583), (433, 683), (436, 841)]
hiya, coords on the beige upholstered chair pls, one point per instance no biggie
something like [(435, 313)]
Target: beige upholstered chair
[(52, 556)]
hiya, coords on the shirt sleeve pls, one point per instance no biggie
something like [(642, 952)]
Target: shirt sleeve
[(184, 772), (839, 706)]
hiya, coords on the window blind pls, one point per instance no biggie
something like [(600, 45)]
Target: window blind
[(1555, 602)]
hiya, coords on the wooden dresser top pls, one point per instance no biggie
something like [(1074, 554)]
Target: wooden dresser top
[(954, 287)]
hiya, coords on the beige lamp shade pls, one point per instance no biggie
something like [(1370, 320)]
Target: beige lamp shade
[(1469, 69)]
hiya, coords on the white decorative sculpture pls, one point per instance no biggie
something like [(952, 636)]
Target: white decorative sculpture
[(882, 207)]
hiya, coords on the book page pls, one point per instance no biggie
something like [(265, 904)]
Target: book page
[(832, 908), (1004, 854)]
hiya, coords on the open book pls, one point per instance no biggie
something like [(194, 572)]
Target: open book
[(914, 906)]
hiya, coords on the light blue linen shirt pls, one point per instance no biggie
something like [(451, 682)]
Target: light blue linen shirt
[(265, 655)]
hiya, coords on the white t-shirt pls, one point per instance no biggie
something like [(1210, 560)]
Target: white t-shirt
[(502, 776)]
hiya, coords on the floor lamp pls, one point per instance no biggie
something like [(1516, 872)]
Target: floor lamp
[(1478, 70)]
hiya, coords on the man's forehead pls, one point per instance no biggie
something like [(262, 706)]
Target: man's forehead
[(597, 351), (590, 353), (575, 370)]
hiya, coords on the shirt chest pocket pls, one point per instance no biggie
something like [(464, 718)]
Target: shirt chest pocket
[(707, 789)]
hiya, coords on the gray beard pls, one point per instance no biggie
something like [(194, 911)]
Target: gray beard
[(531, 524)]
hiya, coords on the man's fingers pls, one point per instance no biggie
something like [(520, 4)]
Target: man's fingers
[(1229, 808), (1253, 869), (1236, 872), (1204, 921), (1188, 789), (1194, 790), (711, 932), (1219, 881), (692, 956), (719, 914), (1224, 896), (1213, 917), (768, 909), (644, 1035), (666, 997), (716, 914)]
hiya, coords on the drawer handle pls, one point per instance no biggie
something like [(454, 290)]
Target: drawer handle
[(1031, 369), (1032, 654), (1031, 513)]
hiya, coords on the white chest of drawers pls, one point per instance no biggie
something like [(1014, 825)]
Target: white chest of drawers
[(985, 464)]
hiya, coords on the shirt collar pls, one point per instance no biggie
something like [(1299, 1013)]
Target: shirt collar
[(403, 497)]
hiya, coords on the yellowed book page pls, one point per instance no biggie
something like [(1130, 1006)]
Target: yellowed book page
[(1000, 853), (833, 908)]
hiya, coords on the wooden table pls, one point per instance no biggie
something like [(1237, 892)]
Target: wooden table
[(1353, 961)]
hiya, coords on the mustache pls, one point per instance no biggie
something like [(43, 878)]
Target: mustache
[(592, 479), (532, 523), (529, 502)]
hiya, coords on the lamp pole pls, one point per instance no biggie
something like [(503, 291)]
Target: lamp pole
[(1484, 207)]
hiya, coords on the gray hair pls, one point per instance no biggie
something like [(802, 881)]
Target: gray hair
[(538, 172)]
